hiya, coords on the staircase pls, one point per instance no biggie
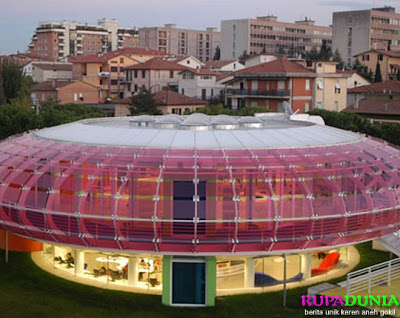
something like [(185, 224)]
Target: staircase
[(391, 242)]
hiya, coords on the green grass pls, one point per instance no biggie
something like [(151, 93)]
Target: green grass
[(28, 291)]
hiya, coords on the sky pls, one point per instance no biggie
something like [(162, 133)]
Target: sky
[(19, 18)]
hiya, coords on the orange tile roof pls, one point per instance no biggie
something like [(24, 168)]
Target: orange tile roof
[(278, 66), (167, 97), (378, 88), (54, 66), (376, 106), (51, 85), (218, 64), (157, 64), (200, 71)]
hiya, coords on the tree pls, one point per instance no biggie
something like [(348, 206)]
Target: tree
[(280, 50), (243, 57), (292, 50), (12, 81), (312, 55), (325, 53), (217, 54), (337, 57), (378, 73), (144, 103)]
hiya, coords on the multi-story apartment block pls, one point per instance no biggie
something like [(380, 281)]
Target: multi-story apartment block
[(155, 74), (172, 40), (270, 84), (330, 85), (107, 71), (389, 62), (55, 40), (267, 35), (359, 31)]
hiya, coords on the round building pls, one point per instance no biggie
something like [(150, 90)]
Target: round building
[(193, 205)]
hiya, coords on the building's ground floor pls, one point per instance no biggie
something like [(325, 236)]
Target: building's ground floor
[(183, 280)]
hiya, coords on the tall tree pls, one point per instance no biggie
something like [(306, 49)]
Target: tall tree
[(325, 52), (12, 78), (144, 103), (217, 54), (312, 55), (378, 73), (337, 57), (243, 57), (280, 50)]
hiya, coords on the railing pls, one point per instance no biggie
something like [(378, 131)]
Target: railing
[(280, 93), (377, 275)]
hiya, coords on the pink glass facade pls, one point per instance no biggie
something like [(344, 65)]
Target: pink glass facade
[(257, 201)]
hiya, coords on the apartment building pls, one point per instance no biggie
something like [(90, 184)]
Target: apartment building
[(172, 40), (201, 83), (267, 34), (330, 86), (155, 74), (362, 30), (270, 84), (47, 71), (107, 71), (55, 40), (389, 62), (65, 92)]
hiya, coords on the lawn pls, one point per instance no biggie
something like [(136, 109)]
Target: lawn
[(28, 291)]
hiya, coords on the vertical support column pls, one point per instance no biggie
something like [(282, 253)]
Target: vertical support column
[(79, 261), (211, 280), (6, 246), (306, 265), (132, 271), (249, 274), (166, 283)]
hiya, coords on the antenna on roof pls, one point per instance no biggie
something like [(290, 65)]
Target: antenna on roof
[(287, 108)]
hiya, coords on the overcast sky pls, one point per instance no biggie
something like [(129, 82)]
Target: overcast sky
[(19, 18)]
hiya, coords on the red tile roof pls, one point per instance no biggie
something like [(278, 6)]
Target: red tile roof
[(378, 88), (102, 58), (376, 106), (278, 66), (200, 71), (219, 64), (157, 64), (54, 66), (51, 85), (167, 97), (384, 52)]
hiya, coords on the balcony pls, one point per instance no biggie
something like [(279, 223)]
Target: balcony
[(120, 40), (120, 47), (103, 74), (105, 46), (61, 44), (79, 52), (79, 38), (256, 93), (79, 45), (61, 37)]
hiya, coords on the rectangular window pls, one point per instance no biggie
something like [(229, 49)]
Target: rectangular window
[(135, 73), (307, 84), (114, 69), (336, 106), (380, 57), (307, 107), (75, 97), (135, 88), (143, 74), (114, 82), (320, 106), (183, 91), (171, 74), (281, 85), (320, 84)]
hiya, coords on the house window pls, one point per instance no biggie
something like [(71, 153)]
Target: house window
[(320, 84), (75, 97), (171, 74), (135, 73), (319, 105), (143, 74), (114, 69), (380, 57), (307, 107), (365, 57), (121, 60), (101, 82), (183, 91), (114, 82), (336, 106), (281, 85), (81, 97), (135, 89), (307, 84), (337, 88)]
